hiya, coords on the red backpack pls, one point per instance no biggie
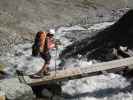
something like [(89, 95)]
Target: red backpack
[(42, 40), (39, 41)]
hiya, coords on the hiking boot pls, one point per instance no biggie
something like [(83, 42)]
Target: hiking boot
[(48, 69), (39, 75), (46, 73)]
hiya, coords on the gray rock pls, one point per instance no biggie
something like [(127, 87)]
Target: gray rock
[(46, 93), (16, 91)]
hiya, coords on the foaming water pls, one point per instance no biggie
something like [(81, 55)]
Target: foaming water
[(102, 87)]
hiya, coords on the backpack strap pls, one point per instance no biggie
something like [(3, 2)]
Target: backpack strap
[(42, 40)]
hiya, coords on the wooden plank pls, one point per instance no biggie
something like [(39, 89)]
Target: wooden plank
[(129, 52), (78, 72), (2, 97), (59, 75)]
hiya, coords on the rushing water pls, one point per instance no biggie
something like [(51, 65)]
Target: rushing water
[(102, 87)]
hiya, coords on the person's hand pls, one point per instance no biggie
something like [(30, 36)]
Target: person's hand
[(56, 46), (58, 42)]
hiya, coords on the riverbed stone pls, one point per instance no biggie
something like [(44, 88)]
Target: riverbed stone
[(14, 90)]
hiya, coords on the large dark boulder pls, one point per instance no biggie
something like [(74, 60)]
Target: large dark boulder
[(101, 45)]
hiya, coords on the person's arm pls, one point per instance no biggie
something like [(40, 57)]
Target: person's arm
[(51, 43), (57, 43)]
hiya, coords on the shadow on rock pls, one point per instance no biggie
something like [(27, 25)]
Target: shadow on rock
[(96, 47), (48, 90)]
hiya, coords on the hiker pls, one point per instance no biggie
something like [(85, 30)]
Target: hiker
[(44, 41)]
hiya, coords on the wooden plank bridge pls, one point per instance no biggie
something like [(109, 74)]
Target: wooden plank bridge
[(80, 72)]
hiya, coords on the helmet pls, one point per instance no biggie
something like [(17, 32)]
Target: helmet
[(52, 31)]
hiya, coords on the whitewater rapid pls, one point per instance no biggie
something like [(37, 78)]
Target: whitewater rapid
[(101, 87)]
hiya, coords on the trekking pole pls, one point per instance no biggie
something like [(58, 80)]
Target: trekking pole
[(55, 59)]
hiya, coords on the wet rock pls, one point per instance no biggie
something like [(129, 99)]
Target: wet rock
[(18, 54), (100, 46), (16, 91), (46, 93)]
